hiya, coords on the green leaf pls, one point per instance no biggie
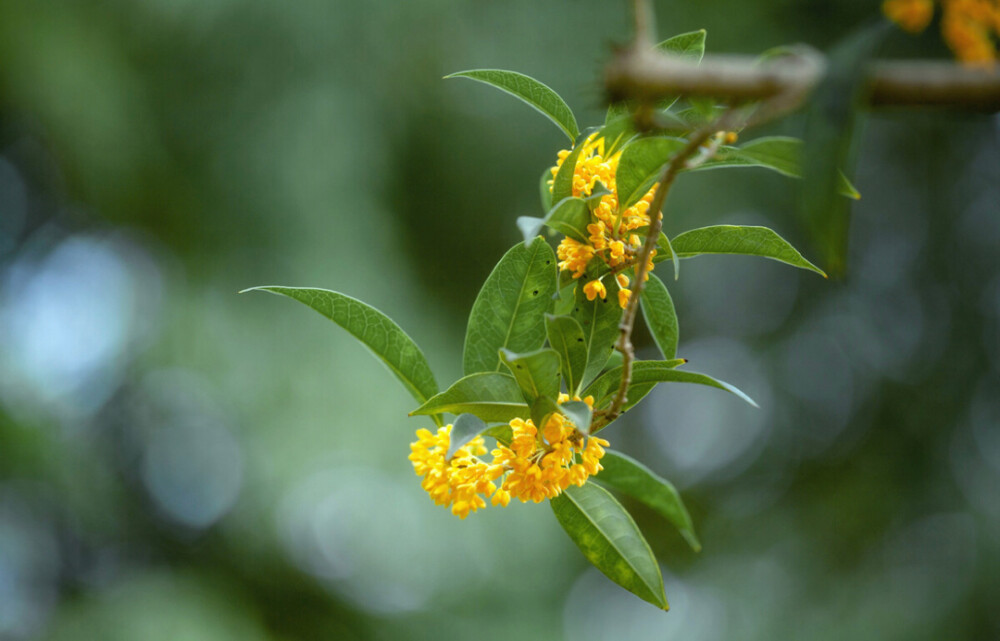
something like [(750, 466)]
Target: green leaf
[(631, 477), (374, 329), (562, 184), (566, 338), (645, 375), (777, 153), (492, 396), (689, 47), (570, 216), (534, 93), (616, 133), (465, 428), (604, 388), (510, 308), (578, 413), (537, 373), (640, 165), (667, 249), (744, 240), (599, 319), (610, 540), (661, 318), (541, 408), (545, 190), (502, 433)]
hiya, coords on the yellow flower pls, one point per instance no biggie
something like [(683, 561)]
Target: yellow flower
[(457, 483), (970, 27), (595, 288), (609, 226), (911, 15)]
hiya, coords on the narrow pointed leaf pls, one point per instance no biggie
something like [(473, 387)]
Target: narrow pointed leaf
[(531, 91), (640, 166), (537, 373), (689, 47), (617, 131), (599, 319), (604, 388), (566, 338), (629, 476), (777, 153), (667, 249), (661, 318), (610, 540), (465, 428), (744, 240), (375, 330), (492, 396), (510, 308), (562, 184)]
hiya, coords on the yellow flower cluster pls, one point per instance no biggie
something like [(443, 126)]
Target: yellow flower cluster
[(534, 467), (612, 236), (970, 27)]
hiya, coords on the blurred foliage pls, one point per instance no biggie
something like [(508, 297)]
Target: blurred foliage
[(177, 461)]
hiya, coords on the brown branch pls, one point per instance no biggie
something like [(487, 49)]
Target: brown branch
[(624, 344), (649, 75)]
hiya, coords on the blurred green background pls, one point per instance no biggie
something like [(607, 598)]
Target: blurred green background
[(178, 462)]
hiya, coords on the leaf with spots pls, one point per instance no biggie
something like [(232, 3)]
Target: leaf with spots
[(537, 373), (610, 539), (375, 330), (510, 308), (531, 91)]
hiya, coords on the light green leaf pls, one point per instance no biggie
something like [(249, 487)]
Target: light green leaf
[(545, 189), (599, 319), (541, 408), (604, 388), (744, 240), (570, 216), (610, 540), (661, 318), (689, 47), (640, 166), (562, 184), (537, 372), (777, 153), (617, 131), (465, 428), (566, 338), (645, 375), (374, 329), (510, 308), (667, 249), (578, 413), (531, 91), (631, 477), (492, 396)]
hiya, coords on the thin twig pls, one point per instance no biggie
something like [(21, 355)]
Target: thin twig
[(624, 344), (648, 75)]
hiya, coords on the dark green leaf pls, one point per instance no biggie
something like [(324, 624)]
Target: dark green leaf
[(830, 129), (510, 309), (658, 310), (570, 216), (631, 477), (599, 319), (537, 373), (502, 433), (492, 396), (534, 93), (375, 330), (604, 388), (610, 540), (667, 249), (616, 132), (566, 338), (465, 428), (640, 166), (737, 239)]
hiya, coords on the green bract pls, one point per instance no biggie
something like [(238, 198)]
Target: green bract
[(534, 334)]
